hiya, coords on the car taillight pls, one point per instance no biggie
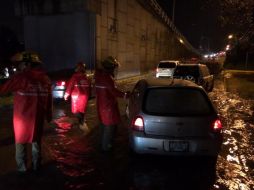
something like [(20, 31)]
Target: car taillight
[(217, 126), (60, 83), (138, 123)]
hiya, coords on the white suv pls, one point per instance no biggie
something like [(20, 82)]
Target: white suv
[(166, 68)]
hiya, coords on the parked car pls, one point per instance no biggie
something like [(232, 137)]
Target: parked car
[(198, 73), (173, 117), (166, 68)]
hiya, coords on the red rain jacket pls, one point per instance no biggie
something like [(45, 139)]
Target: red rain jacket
[(32, 103), (78, 88), (106, 97)]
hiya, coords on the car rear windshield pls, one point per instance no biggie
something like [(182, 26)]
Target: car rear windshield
[(176, 101), (167, 65), (186, 70)]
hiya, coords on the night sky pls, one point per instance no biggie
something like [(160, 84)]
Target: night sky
[(8, 18), (200, 26)]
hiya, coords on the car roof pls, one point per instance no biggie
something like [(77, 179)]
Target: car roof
[(160, 82), (190, 64), (170, 61)]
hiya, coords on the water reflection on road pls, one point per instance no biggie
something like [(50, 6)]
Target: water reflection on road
[(78, 155), (235, 165)]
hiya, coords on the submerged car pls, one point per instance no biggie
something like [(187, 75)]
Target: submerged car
[(166, 68), (198, 73), (173, 117)]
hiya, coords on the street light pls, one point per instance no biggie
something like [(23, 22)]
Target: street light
[(230, 36), (233, 43), (173, 12), (228, 47)]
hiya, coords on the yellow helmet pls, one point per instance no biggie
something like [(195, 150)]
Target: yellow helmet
[(110, 63), (27, 57), (81, 66)]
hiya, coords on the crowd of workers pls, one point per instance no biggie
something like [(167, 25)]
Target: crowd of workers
[(33, 104)]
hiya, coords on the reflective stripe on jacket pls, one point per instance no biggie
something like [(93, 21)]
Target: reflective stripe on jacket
[(32, 103), (78, 88), (106, 98)]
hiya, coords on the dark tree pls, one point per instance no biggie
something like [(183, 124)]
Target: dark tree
[(237, 16)]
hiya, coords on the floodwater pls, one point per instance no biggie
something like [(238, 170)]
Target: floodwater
[(234, 98), (73, 160)]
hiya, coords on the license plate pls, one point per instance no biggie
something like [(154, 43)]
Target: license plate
[(178, 146)]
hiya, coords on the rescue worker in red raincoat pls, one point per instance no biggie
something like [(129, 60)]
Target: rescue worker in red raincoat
[(106, 99), (79, 87), (32, 105)]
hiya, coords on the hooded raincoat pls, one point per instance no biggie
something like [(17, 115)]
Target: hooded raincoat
[(78, 88), (106, 98), (32, 104)]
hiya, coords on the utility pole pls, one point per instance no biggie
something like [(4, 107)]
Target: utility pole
[(173, 21), (246, 60), (173, 12)]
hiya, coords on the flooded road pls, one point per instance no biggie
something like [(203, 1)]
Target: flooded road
[(73, 160), (234, 98)]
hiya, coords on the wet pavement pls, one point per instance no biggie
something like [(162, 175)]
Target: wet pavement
[(234, 98), (72, 159)]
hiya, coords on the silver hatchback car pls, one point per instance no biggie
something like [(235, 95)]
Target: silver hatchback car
[(173, 117), (166, 68)]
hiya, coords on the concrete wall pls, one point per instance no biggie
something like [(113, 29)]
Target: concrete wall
[(121, 28), (132, 34), (62, 40)]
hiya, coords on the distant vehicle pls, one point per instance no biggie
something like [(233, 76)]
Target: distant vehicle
[(6, 73), (59, 81), (198, 73), (166, 68), (59, 88), (173, 117)]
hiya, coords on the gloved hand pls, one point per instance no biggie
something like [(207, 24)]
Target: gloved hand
[(66, 96)]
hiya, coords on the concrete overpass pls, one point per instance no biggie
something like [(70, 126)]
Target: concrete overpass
[(138, 32)]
